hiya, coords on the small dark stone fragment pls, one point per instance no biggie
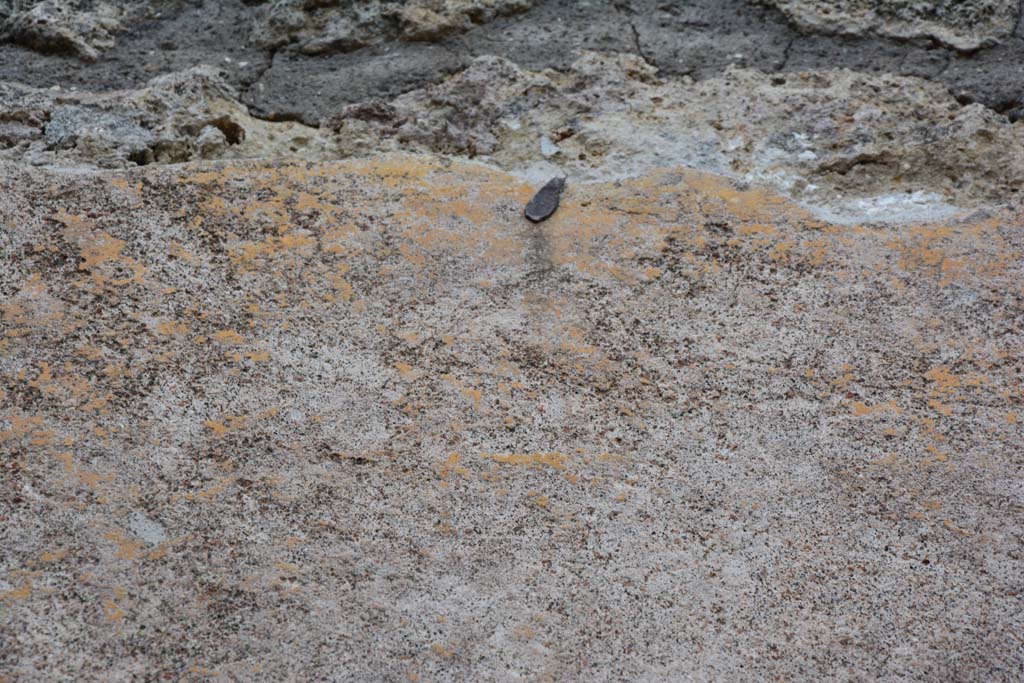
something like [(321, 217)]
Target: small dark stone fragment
[(545, 202)]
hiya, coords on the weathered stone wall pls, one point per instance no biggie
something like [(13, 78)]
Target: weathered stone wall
[(291, 389)]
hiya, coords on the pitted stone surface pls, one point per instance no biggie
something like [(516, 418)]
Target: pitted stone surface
[(856, 147), (362, 421), (958, 24), (301, 59)]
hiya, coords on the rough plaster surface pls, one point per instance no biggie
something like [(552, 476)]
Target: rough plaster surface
[(853, 146), (362, 421), (958, 24), (83, 29), (305, 59)]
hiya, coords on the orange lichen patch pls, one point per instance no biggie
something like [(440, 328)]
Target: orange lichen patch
[(781, 250), (32, 306), (942, 379), (414, 257), (40, 438), (338, 286), (228, 423), (205, 494), (90, 478), (270, 211), (103, 248), (1011, 418), (408, 372), (751, 229), (90, 352), (411, 337), (936, 455), (437, 197), (73, 388), (214, 206), (44, 381), (458, 209), (532, 460), (102, 253), (217, 428), (228, 337), (948, 523), (940, 407), (202, 671), (18, 594), (337, 240), (749, 205), (577, 232), (396, 171), (860, 408), (97, 404), (112, 612), (469, 393), (951, 270), (443, 218), (847, 376), (53, 556), (306, 202), (950, 254), (457, 203), (444, 651), (920, 242), (171, 328), (451, 466), (26, 426), (127, 548), (73, 221), (574, 343), (888, 459), (975, 380), (815, 252), (159, 552), (539, 500), (123, 185), (253, 255)]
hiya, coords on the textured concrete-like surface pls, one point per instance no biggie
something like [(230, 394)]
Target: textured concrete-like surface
[(362, 421), (856, 147), (955, 23), (303, 60)]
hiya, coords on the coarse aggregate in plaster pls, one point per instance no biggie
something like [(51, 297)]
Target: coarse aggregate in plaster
[(958, 24), (304, 60), (821, 137), (362, 421), (83, 29), (326, 27), (181, 116), (855, 147)]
